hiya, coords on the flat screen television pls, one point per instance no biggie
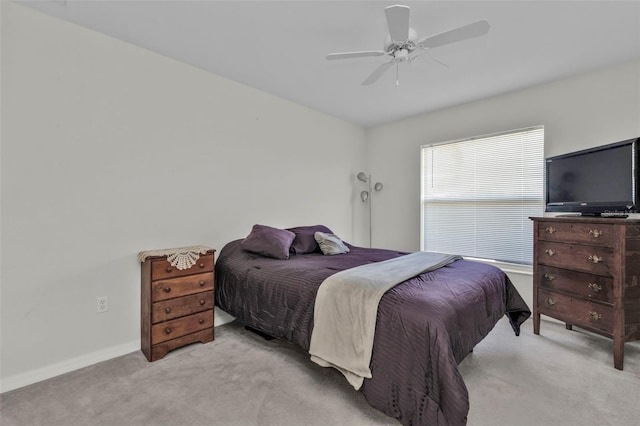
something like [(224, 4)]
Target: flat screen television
[(594, 181)]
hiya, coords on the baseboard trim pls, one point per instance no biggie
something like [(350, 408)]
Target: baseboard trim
[(44, 373)]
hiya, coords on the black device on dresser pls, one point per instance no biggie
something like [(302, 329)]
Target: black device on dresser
[(601, 181)]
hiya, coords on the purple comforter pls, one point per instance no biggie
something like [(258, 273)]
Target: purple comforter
[(425, 326)]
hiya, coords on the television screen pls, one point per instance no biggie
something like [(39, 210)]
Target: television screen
[(594, 181)]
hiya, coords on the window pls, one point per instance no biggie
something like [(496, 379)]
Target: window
[(478, 195)]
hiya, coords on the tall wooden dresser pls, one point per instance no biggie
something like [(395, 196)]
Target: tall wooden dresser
[(177, 300), (587, 273)]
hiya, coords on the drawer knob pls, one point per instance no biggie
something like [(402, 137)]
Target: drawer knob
[(549, 277), (169, 269), (595, 233), (550, 229), (201, 265), (201, 283), (202, 302), (595, 259), (550, 301), (167, 310), (168, 330), (550, 252), (596, 316), (595, 287), (201, 320), (167, 289)]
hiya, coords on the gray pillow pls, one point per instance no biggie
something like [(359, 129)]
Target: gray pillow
[(330, 244), (269, 242)]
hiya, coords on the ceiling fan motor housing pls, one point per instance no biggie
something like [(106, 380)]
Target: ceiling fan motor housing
[(391, 46)]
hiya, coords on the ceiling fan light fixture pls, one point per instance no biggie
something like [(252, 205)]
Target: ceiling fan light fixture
[(401, 55)]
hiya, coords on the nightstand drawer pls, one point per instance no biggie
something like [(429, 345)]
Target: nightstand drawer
[(181, 306), (593, 259), (176, 287), (582, 233), (593, 287), (576, 311), (162, 269), (179, 327)]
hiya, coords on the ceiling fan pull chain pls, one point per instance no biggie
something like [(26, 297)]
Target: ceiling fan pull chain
[(397, 79)]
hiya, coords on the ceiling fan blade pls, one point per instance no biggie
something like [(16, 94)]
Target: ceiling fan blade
[(458, 34), (398, 22), (377, 73), (345, 55)]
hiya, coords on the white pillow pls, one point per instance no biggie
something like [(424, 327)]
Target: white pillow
[(330, 244)]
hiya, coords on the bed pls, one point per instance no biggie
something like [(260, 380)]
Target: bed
[(424, 328)]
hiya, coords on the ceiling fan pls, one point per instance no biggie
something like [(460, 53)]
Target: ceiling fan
[(402, 44)]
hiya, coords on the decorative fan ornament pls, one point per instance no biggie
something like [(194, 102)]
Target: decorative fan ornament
[(402, 44)]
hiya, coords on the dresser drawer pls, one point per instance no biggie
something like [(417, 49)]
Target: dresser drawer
[(179, 327), (182, 286), (582, 233), (576, 311), (593, 259), (181, 306), (581, 284), (162, 269)]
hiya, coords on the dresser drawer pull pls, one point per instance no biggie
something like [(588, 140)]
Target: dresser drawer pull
[(595, 259), (201, 320), (169, 269), (596, 316), (595, 287), (201, 265), (549, 277), (168, 330), (550, 229), (167, 289), (167, 310), (550, 252), (595, 233), (550, 301), (202, 302), (201, 283)]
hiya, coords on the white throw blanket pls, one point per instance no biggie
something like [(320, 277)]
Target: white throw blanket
[(346, 307)]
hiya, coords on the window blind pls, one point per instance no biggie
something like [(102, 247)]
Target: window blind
[(478, 195)]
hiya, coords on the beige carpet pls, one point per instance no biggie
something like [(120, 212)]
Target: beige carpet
[(559, 378)]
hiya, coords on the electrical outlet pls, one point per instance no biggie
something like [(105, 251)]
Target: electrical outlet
[(103, 304)]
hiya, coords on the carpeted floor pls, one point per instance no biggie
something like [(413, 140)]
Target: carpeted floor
[(559, 378)]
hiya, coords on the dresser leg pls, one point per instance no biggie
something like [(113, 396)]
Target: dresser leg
[(618, 353), (536, 323), (568, 326)]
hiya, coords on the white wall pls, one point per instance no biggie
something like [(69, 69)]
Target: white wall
[(109, 149), (578, 112)]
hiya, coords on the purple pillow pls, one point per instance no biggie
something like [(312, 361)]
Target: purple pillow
[(269, 242), (305, 241)]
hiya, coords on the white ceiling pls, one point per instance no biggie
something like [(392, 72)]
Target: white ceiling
[(280, 46)]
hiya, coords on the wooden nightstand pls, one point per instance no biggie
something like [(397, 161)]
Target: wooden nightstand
[(176, 304)]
